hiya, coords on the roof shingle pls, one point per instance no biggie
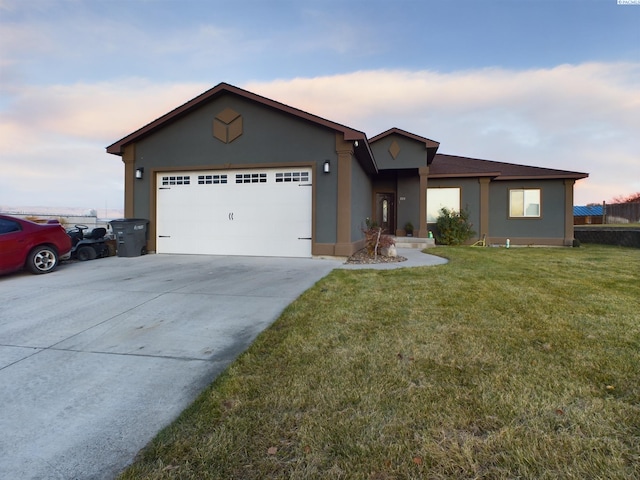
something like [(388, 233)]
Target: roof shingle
[(455, 166)]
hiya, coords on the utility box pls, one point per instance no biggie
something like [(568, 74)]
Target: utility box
[(131, 236)]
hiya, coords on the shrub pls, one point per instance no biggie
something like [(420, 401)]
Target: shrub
[(408, 228), (453, 227), (376, 238)]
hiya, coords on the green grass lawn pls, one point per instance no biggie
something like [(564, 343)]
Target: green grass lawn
[(518, 363)]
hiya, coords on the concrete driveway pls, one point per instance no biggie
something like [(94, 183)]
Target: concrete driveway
[(97, 357)]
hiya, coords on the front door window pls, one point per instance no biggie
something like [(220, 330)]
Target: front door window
[(385, 212)]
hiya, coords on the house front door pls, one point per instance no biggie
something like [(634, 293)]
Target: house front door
[(385, 212)]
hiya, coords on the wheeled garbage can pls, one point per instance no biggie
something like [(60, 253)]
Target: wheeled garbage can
[(131, 236)]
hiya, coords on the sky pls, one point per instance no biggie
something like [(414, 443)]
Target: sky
[(550, 83)]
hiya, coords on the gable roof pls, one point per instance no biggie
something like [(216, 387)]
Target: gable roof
[(455, 166), (430, 145), (350, 134)]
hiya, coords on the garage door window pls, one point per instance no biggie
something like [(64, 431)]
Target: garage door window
[(177, 180), (251, 178), (211, 179), (292, 177)]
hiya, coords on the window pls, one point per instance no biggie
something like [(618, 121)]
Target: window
[(8, 226), (524, 202), (251, 178), (438, 198), (211, 179), (177, 180), (292, 177)]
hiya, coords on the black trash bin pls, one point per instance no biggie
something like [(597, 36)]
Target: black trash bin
[(131, 236)]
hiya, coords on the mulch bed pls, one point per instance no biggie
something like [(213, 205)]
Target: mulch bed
[(363, 257)]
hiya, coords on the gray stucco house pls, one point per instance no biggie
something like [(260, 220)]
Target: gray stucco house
[(234, 173)]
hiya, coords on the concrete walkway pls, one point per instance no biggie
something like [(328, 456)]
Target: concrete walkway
[(97, 357), (415, 258)]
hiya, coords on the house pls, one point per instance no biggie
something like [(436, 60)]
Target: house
[(234, 173)]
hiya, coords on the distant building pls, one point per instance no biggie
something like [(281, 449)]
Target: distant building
[(588, 215)]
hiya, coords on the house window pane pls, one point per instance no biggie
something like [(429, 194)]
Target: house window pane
[(438, 198), (516, 206), (524, 202)]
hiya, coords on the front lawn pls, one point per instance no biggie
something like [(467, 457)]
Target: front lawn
[(518, 363)]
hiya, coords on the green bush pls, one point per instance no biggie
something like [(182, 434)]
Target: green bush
[(453, 228)]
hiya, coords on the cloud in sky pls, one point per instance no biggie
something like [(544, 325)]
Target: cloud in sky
[(571, 117), (53, 139)]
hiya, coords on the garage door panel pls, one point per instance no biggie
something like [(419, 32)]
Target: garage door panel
[(259, 212)]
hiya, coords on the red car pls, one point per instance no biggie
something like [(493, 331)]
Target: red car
[(34, 246)]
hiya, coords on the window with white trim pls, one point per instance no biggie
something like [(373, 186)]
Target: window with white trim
[(524, 202), (438, 198)]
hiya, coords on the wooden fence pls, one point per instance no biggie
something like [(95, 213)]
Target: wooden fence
[(623, 212)]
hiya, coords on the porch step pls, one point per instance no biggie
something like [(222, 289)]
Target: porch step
[(415, 242)]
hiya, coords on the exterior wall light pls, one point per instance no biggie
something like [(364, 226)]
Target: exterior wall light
[(326, 166), (139, 173)]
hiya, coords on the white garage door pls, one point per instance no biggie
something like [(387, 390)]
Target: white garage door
[(262, 212)]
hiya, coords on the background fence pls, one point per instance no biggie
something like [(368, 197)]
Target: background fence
[(623, 213)]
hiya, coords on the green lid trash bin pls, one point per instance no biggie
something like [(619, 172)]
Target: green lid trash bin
[(131, 236)]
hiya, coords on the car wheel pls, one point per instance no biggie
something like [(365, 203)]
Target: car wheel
[(42, 259), (86, 253)]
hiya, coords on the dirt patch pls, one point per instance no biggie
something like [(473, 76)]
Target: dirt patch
[(363, 257)]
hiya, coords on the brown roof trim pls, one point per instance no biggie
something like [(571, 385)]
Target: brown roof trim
[(574, 175), (465, 175), (117, 148)]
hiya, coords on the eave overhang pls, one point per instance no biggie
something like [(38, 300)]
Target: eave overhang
[(464, 175), (564, 176), (498, 177)]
